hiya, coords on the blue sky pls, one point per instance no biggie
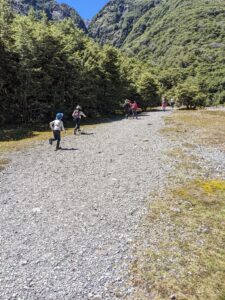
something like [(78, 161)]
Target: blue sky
[(86, 8)]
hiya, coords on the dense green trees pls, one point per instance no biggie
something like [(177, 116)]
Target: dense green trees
[(49, 66), (185, 40)]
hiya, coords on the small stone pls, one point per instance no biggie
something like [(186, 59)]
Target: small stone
[(97, 297), (173, 297), (175, 209), (23, 262), (36, 210)]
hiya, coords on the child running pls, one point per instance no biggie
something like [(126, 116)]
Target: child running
[(57, 126), (77, 114), (164, 103)]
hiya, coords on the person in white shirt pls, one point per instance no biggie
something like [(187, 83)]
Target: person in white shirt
[(77, 114), (57, 126)]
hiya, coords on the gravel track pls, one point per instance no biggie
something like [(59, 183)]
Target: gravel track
[(68, 218)]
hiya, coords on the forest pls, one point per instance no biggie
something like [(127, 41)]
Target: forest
[(51, 65)]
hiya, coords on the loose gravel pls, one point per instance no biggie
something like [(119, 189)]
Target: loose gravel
[(69, 218)]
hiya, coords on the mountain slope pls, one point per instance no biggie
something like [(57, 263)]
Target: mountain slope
[(184, 34), (116, 20), (53, 10)]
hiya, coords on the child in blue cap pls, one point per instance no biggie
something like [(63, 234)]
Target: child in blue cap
[(57, 126)]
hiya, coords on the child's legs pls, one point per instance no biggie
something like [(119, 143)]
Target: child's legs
[(57, 136), (78, 124)]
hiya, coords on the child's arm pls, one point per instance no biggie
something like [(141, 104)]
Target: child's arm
[(51, 124), (82, 114), (62, 127)]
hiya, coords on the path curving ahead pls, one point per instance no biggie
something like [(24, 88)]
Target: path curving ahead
[(68, 218)]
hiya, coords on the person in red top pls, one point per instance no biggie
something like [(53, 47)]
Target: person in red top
[(134, 108)]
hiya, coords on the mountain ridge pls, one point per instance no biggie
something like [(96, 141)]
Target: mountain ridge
[(54, 10), (186, 35)]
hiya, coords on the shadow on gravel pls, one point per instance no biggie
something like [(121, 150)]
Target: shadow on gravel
[(69, 149), (17, 134), (87, 133)]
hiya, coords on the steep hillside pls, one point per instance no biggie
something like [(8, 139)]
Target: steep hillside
[(53, 10), (116, 20), (184, 34), (179, 32)]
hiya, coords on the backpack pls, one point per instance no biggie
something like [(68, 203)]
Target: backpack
[(76, 114)]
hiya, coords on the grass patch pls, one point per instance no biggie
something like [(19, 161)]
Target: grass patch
[(205, 127), (3, 162), (187, 255)]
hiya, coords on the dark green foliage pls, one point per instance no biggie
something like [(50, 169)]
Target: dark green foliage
[(52, 66), (185, 39)]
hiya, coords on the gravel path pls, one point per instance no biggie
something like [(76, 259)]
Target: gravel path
[(68, 218)]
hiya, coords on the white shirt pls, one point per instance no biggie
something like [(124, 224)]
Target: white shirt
[(57, 125), (77, 114)]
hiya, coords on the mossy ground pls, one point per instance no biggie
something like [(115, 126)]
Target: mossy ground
[(184, 229)]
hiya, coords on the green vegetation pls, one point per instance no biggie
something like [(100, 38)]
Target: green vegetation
[(169, 47), (184, 39), (50, 66)]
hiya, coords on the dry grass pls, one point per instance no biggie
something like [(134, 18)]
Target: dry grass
[(205, 127), (187, 255), (3, 162)]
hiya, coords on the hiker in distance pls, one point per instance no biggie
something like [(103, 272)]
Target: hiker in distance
[(172, 103), (57, 126), (134, 109), (127, 108), (164, 103), (77, 114)]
